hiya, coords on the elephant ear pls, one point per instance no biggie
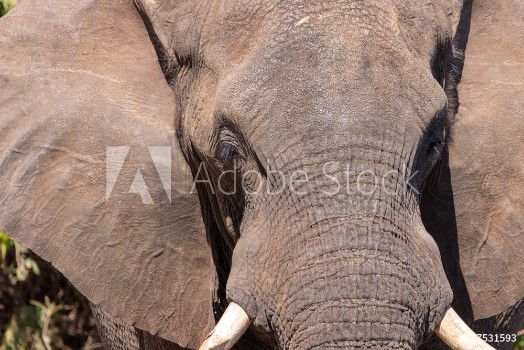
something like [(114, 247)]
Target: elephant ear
[(486, 155), (91, 175)]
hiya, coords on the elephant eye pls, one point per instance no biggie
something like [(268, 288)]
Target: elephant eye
[(438, 65), (227, 151), (433, 147), (436, 142)]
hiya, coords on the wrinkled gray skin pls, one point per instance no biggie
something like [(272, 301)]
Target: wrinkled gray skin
[(256, 88)]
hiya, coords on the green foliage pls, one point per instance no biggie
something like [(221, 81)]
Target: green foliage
[(39, 309), (6, 5), (519, 344), (24, 264)]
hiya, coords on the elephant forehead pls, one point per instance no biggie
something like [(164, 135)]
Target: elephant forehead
[(338, 92), (226, 31), (237, 28)]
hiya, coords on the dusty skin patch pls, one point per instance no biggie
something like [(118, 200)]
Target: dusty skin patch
[(302, 21)]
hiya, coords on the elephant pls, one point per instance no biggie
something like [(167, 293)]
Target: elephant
[(272, 174)]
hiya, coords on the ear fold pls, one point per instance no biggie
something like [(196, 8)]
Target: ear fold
[(91, 176), (487, 153)]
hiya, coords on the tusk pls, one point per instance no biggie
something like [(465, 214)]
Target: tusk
[(233, 323), (454, 332)]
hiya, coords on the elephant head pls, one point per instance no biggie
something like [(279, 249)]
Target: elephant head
[(299, 161)]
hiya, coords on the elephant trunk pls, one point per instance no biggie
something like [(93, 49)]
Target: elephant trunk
[(352, 326), (360, 269), (359, 299), (345, 284)]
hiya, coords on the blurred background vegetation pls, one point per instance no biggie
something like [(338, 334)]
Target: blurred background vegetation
[(39, 308), (6, 5)]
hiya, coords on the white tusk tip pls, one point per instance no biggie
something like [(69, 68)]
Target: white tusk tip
[(457, 335), (232, 325)]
